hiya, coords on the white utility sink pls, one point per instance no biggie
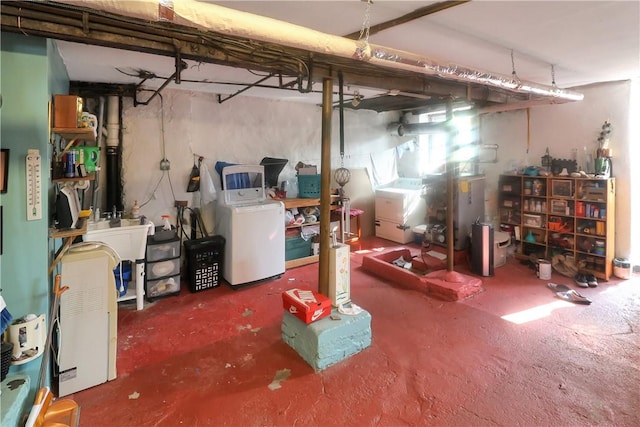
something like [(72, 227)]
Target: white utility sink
[(129, 240)]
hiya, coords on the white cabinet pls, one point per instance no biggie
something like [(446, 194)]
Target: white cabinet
[(88, 327), (398, 208)]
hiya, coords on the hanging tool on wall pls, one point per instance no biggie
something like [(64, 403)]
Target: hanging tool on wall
[(194, 177)]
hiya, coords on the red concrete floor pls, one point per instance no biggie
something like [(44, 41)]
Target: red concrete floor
[(216, 358)]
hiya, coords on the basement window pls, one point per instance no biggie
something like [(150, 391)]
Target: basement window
[(432, 148)]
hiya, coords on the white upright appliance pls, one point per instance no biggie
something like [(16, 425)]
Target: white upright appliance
[(87, 333), (399, 206), (253, 227)]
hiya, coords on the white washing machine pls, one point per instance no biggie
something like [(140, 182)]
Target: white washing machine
[(253, 227)]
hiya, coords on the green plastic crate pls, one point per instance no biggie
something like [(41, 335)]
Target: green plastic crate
[(308, 186), (296, 247)]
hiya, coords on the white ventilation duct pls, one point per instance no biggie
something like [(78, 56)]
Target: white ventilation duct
[(211, 17)]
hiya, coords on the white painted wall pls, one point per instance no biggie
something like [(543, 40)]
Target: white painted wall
[(245, 130), (241, 130)]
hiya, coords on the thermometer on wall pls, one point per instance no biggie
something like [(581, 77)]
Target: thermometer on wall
[(34, 185)]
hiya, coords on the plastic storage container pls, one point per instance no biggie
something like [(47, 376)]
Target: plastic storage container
[(204, 262), (621, 268), (418, 233), (159, 250), (296, 247), (6, 348), (162, 269), (501, 240), (163, 287), (122, 275), (308, 186)]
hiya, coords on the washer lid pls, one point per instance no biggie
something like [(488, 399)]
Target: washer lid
[(243, 184)]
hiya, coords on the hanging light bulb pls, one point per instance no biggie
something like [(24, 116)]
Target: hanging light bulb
[(357, 98)]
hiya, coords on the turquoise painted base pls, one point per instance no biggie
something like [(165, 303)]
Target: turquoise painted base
[(326, 342)]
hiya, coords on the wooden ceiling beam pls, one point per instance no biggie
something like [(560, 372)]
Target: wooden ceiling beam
[(411, 16)]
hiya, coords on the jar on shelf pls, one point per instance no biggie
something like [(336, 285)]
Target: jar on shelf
[(537, 187)]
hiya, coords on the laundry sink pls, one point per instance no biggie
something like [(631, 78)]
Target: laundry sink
[(105, 223), (129, 239)]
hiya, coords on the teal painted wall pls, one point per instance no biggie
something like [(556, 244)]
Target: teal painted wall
[(31, 70)]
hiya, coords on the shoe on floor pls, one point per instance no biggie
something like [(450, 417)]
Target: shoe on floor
[(573, 296), (558, 288), (591, 280), (581, 280)]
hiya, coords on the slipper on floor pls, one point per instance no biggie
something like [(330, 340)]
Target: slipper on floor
[(573, 296), (558, 288)]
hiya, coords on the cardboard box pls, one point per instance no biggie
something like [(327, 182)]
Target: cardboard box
[(306, 305), (67, 110), (308, 170)]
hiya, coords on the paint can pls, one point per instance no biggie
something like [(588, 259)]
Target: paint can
[(543, 269)]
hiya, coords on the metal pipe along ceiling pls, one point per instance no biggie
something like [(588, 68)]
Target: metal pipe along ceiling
[(211, 17), (412, 129)]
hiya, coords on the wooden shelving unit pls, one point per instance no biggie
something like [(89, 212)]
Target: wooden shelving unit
[(303, 203), (90, 177), (73, 135), (68, 235), (300, 203), (561, 215), (70, 136)]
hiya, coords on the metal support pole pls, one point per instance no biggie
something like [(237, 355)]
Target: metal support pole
[(325, 183), (345, 218), (450, 185)]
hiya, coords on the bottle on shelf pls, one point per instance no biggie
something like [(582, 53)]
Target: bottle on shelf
[(537, 187), (166, 225), (135, 210)]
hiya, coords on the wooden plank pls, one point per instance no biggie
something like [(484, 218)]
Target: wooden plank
[(84, 134), (300, 203), (298, 262)]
